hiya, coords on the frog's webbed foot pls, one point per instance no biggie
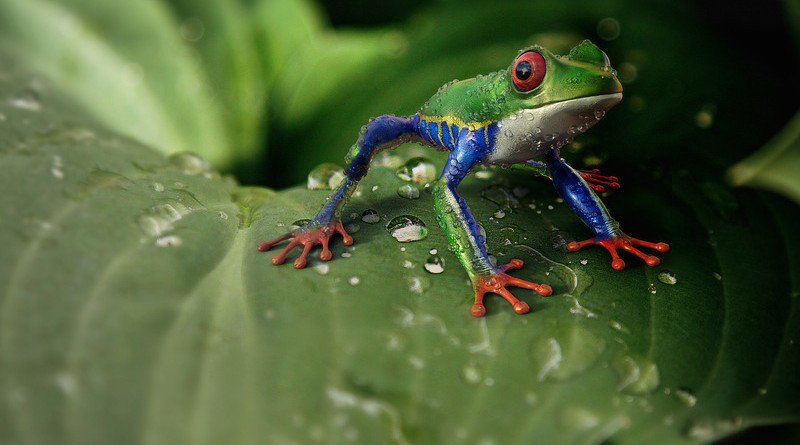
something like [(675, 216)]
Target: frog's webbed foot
[(597, 181), (308, 237), (496, 283), (623, 242)]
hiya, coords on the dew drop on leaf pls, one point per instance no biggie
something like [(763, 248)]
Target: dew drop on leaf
[(667, 277), (325, 177), (407, 228), (637, 375), (434, 264), (370, 216), (419, 170), (408, 191)]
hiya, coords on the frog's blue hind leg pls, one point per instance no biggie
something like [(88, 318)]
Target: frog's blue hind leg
[(379, 134), (464, 235), (585, 203), (593, 178)]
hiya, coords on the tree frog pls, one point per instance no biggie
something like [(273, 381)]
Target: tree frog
[(513, 116)]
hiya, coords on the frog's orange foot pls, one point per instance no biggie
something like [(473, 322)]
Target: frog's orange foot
[(308, 237), (599, 182), (496, 283), (626, 243)]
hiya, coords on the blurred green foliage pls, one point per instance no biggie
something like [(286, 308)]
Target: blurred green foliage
[(265, 90)]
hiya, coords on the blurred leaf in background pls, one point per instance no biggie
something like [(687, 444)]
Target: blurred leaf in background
[(135, 308)]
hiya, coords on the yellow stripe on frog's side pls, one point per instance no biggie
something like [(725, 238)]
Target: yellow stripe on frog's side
[(471, 126), (450, 120)]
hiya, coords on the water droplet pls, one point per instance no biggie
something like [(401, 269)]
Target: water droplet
[(354, 281), (568, 353), (500, 196), (325, 177), (584, 261), (189, 163), (300, 223), (375, 188), (419, 170), (577, 418), (471, 374), (352, 228), (434, 264), (705, 429), (667, 277), (56, 168), (161, 218), (168, 241), (419, 285), (686, 396), (408, 191), (637, 375), (2, 117), (651, 288), (322, 268), (370, 216), (717, 276), (407, 228), (499, 214), (157, 186), (619, 327), (408, 264), (222, 214), (27, 100)]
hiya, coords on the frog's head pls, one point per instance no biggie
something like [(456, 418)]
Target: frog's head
[(567, 94)]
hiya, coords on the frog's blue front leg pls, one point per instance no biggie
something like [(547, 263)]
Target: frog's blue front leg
[(379, 134), (587, 205), (464, 234)]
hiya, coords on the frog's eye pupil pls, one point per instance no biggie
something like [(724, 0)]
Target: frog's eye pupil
[(524, 70), (528, 71)]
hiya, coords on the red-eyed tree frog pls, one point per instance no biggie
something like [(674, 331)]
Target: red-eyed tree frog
[(513, 116)]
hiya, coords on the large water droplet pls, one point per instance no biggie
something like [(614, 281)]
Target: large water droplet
[(300, 223), (686, 396), (408, 191), (471, 374), (168, 241), (27, 100), (569, 352), (667, 277), (419, 285), (161, 218), (434, 264), (705, 429), (325, 177), (637, 375), (419, 170), (500, 196), (577, 418), (407, 228), (189, 163), (370, 216)]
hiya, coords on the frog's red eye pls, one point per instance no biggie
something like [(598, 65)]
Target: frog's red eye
[(528, 71)]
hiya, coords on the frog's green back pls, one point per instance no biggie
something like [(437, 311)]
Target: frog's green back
[(472, 102)]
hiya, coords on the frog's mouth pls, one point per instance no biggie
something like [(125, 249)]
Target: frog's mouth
[(536, 130)]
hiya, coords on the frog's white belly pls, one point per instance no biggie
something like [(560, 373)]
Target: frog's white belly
[(531, 132)]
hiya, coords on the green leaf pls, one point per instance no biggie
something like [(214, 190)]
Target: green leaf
[(135, 308), (775, 166), (125, 65)]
